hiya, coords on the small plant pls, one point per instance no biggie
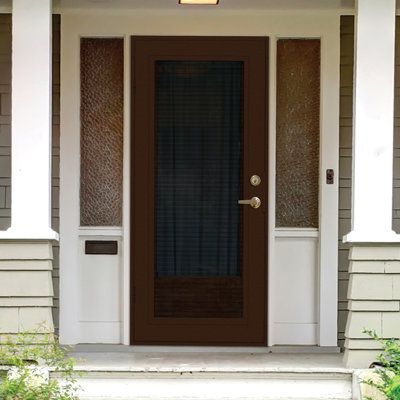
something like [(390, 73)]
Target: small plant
[(29, 358), (389, 367)]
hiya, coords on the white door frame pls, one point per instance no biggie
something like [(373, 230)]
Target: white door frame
[(75, 25)]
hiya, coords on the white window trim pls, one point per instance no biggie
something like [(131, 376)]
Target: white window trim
[(323, 25)]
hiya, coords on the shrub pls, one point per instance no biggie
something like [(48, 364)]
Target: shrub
[(389, 367), (29, 358)]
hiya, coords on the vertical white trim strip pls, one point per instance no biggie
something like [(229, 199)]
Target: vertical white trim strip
[(329, 199), (126, 195), (271, 188), (69, 184)]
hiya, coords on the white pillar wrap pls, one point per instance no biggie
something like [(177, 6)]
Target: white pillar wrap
[(31, 120), (373, 122)]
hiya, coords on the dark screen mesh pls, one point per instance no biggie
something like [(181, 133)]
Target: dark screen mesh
[(198, 168)]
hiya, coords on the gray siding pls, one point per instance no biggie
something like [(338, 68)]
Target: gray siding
[(5, 135), (5, 120), (56, 162), (345, 149), (396, 161)]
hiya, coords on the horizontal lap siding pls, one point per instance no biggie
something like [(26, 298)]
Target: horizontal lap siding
[(396, 161), (56, 161), (5, 121), (345, 149), (5, 135)]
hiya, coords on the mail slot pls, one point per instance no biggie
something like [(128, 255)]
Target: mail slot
[(101, 247)]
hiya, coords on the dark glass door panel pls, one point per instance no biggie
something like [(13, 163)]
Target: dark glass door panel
[(199, 130)]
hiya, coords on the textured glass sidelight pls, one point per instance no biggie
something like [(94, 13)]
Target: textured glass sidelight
[(101, 132), (199, 121), (297, 133)]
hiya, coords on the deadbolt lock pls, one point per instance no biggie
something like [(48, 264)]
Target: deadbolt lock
[(255, 180)]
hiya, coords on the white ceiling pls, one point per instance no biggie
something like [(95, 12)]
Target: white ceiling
[(223, 5)]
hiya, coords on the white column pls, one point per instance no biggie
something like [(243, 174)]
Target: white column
[(31, 120), (373, 122)]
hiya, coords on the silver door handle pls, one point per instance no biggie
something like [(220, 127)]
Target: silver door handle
[(255, 202)]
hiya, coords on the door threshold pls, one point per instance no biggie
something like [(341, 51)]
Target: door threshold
[(116, 348)]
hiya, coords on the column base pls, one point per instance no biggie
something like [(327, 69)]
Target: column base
[(26, 289), (374, 300)]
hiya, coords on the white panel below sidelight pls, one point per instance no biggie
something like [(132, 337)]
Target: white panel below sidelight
[(296, 334), (296, 289), (100, 293), (100, 332)]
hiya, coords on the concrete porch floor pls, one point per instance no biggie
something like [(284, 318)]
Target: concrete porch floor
[(211, 373), (183, 360)]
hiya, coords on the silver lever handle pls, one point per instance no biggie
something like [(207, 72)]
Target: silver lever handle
[(255, 202)]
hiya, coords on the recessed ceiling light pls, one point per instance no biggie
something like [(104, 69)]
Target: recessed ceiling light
[(199, 2)]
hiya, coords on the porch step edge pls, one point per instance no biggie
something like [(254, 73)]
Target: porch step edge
[(163, 386), (211, 370)]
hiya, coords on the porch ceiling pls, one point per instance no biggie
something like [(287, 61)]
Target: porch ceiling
[(224, 4)]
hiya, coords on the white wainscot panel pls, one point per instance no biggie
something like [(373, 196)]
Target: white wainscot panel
[(296, 288), (100, 294)]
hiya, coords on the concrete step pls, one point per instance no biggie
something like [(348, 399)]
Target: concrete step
[(162, 385)]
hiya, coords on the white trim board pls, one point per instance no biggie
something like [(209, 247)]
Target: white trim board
[(274, 25), (296, 232), (120, 348)]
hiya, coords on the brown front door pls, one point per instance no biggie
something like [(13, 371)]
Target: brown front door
[(199, 134)]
